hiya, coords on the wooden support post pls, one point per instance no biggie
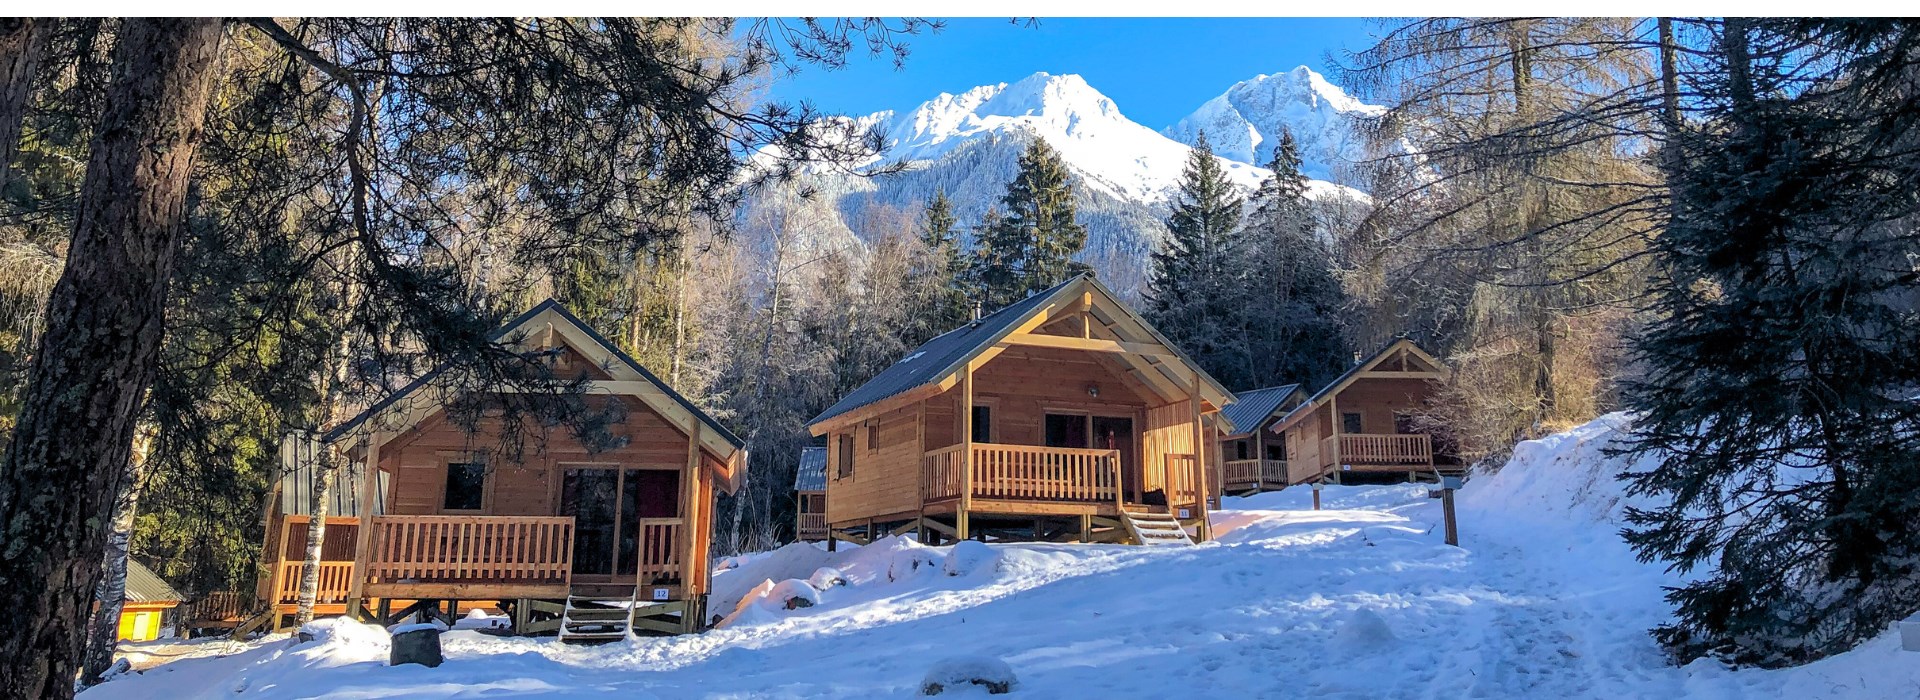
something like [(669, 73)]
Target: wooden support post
[(1333, 416), (690, 571), (966, 452), (363, 544), (1316, 494), (1086, 528), (1204, 529), (920, 467), (1446, 509)]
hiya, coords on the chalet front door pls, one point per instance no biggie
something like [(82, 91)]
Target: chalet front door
[(1116, 433), (609, 506)]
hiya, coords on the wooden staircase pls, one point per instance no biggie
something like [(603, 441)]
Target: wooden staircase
[(595, 620), (1155, 528)]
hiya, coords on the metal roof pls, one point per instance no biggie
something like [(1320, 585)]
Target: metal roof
[(296, 492), (1255, 406), (144, 586), (939, 356), (812, 475), (500, 333)]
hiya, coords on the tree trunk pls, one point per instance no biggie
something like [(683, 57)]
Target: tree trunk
[(111, 595), (100, 349), (316, 537), (20, 51)]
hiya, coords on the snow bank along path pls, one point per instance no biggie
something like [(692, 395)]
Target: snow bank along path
[(1358, 601)]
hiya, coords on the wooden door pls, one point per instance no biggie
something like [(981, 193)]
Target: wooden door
[(608, 505), (1116, 433)]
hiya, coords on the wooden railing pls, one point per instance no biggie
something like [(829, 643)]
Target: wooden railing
[(1179, 478), (658, 558), (1381, 449), (218, 606), (336, 578), (1245, 472), (943, 474), (490, 548), (1025, 473), (811, 526)]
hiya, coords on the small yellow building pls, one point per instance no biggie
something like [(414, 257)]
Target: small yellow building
[(149, 598)]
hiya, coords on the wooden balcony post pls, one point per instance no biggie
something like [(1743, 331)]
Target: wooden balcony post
[(966, 452), (1333, 409), (363, 539), (1199, 462), (690, 571), (920, 467)]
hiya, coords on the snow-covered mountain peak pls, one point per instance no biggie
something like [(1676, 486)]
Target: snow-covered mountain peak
[(1110, 152), (1245, 122)]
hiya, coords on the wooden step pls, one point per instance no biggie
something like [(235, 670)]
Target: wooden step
[(1153, 529), (594, 620)]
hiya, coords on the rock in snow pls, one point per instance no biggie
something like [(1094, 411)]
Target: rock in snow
[(1363, 632), (969, 557), (827, 577), (960, 671)]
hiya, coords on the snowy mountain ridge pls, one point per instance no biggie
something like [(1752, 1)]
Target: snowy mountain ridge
[(968, 143), (1246, 121)]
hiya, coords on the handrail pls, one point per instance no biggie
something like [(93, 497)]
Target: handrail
[(1361, 448), (336, 578), (1023, 472), (471, 548)]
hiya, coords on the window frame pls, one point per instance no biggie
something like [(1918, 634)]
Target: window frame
[(979, 425), (446, 485), (843, 467), (1359, 420)]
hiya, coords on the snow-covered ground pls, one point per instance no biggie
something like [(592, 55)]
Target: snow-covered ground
[(1361, 600)]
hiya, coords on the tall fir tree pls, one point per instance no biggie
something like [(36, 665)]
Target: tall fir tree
[(1031, 245), (1778, 412), (1295, 307), (1196, 289), (939, 299)]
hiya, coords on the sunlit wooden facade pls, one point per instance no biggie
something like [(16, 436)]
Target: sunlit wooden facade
[(1373, 420), (454, 519), (1045, 420)]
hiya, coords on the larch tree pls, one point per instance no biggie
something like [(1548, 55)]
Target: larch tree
[(1511, 174)]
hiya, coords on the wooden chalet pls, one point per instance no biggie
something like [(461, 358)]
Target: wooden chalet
[(1251, 460), (1063, 416), (810, 495), (589, 544), (1366, 421)]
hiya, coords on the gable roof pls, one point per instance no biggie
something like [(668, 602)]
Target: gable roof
[(585, 339), (812, 474), (1254, 406), (947, 354), (1353, 373), (144, 586)]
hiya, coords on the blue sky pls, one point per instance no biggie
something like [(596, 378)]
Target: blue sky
[(1156, 70)]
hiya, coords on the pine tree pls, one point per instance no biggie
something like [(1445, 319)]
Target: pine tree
[(1294, 306), (1196, 290), (1778, 404), (1031, 246), (939, 299)]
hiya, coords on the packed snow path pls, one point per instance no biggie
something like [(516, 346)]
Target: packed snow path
[(1361, 600)]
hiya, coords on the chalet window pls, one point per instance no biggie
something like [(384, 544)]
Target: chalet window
[(873, 436), (846, 456), (1066, 431), (1240, 449), (983, 424), (1403, 424), (1350, 423), (466, 486), (1277, 453)]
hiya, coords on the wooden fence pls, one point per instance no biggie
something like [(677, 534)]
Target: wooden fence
[(1362, 449), (1025, 473)]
